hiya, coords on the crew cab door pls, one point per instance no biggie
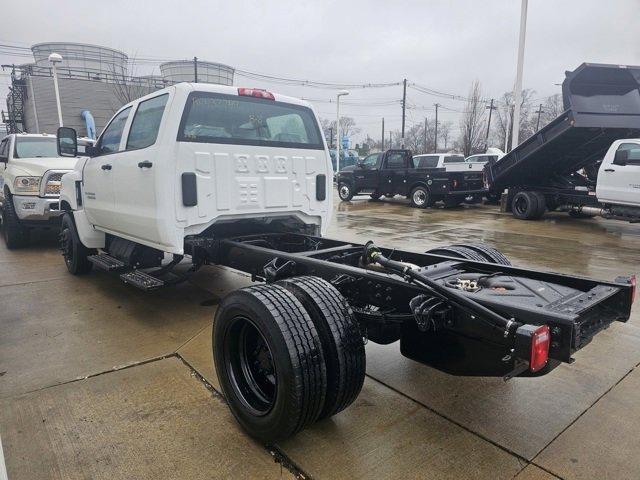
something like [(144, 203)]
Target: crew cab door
[(619, 175), (393, 174), (98, 174), (136, 169), (366, 172)]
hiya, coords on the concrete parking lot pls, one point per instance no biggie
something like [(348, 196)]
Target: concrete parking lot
[(99, 380)]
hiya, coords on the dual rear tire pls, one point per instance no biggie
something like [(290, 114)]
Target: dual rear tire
[(287, 355), (528, 205)]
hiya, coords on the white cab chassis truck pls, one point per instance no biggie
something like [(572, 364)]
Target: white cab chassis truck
[(30, 174), (201, 174)]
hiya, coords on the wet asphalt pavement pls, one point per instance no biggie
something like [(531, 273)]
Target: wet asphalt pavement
[(98, 380)]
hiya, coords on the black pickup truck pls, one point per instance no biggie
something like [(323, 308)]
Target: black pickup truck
[(393, 172)]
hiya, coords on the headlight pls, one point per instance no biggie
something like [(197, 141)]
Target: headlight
[(26, 185)]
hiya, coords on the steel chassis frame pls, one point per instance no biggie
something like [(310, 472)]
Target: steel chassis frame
[(381, 293)]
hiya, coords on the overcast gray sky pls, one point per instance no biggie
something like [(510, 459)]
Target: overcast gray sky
[(440, 44)]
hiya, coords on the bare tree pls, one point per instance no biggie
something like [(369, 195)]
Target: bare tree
[(551, 109), (129, 88), (444, 133), (504, 119), (348, 128), (472, 123)]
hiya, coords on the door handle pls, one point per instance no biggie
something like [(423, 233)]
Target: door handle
[(609, 170), (106, 166), (145, 164)]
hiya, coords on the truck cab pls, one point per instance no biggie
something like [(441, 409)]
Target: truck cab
[(183, 159), (30, 179), (618, 181)]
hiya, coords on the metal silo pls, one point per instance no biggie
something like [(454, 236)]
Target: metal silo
[(208, 72)]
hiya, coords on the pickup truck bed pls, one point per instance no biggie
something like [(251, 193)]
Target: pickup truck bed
[(602, 104)]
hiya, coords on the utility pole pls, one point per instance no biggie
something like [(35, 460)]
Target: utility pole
[(390, 141), (195, 69), (383, 134), (404, 106), (539, 112), (435, 134), (425, 134), (330, 136), (517, 94), (486, 139)]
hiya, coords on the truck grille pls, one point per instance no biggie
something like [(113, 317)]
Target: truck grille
[(52, 183)]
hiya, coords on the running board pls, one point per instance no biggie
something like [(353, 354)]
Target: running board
[(142, 280), (106, 262)]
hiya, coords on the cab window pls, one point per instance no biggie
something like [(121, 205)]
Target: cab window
[(428, 161), (111, 136), (396, 161), (146, 122), (632, 153), (371, 160), (454, 159)]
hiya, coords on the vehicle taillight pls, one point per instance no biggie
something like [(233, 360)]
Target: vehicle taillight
[(540, 341), (256, 92), (634, 287), (455, 183)]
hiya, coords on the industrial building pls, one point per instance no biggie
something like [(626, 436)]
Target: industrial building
[(94, 82)]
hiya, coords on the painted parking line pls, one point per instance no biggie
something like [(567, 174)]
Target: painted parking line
[(3, 466)]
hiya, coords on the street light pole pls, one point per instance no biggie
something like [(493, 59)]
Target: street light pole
[(340, 94), (517, 93), (56, 58)]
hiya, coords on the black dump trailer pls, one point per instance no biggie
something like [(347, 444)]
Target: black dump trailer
[(601, 105)]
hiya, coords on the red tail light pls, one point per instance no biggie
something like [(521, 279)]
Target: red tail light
[(455, 184), (255, 92), (540, 341)]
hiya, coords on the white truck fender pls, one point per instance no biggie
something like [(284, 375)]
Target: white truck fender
[(89, 236)]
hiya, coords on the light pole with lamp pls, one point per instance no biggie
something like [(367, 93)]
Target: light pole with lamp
[(340, 94), (56, 58)]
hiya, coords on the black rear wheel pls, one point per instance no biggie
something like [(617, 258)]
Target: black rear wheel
[(269, 361), (458, 251), (342, 343), (489, 253), (527, 206)]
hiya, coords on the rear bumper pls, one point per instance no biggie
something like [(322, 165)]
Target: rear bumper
[(31, 208)]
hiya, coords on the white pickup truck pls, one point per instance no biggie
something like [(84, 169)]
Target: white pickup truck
[(200, 174), (30, 174)]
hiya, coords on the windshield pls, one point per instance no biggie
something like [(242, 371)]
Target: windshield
[(35, 147), (239, 120)]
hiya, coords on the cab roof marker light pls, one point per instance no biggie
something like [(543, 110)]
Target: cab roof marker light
[(256, 92)]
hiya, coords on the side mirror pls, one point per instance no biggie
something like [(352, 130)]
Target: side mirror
[(67, 140), (621, 157)]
